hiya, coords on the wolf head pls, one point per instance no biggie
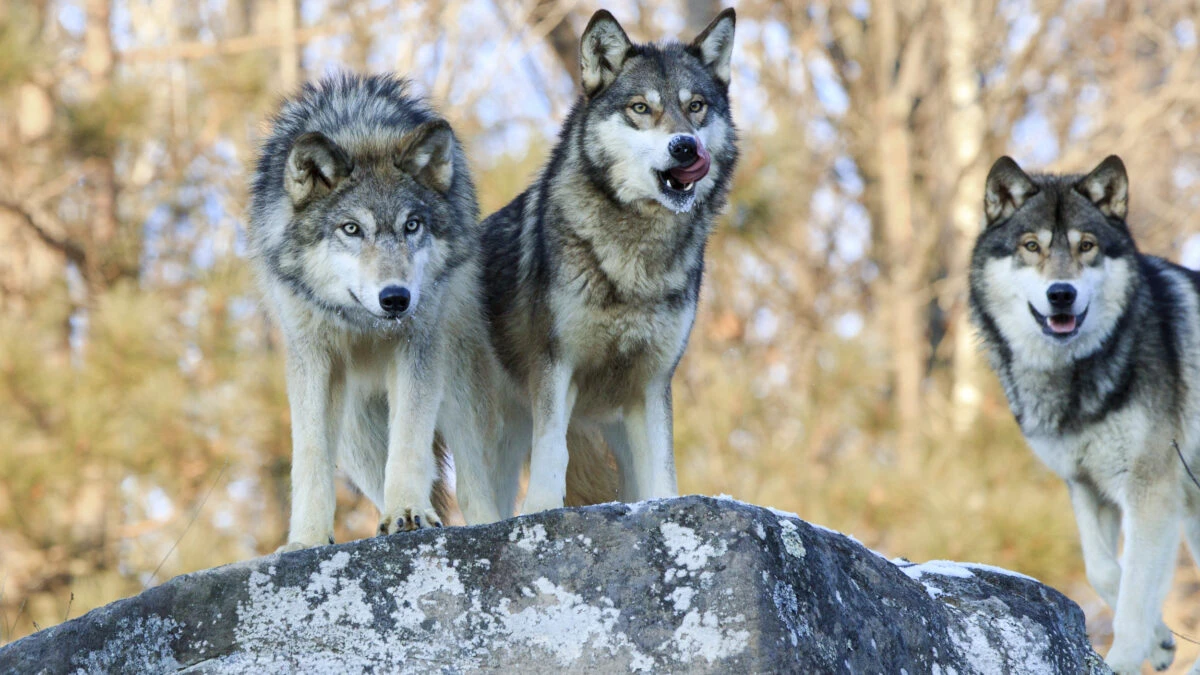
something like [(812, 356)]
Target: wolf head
[(372, 221), (362, 203), (1055, 265), (658, 122)]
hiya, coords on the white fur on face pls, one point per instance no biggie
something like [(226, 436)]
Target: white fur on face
[(1009, 290), (635, 155), (412, 281), (341, 275)]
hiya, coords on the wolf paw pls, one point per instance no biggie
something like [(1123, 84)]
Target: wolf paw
[(409, 519), (300, 545), (538, 502), (1162, 655)]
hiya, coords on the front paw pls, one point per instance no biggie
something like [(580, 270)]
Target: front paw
[(299, 545), (408, 519), (1124, 661), (538, 501), (1162, 654)]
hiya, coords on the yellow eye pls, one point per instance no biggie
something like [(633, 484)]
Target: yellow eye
[(640, 108), (352, 229), (696, 106), (1032, 246), (1086, 245)]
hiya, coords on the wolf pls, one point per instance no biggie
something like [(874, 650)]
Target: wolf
[(1098, 349), (363, 227), (591, 276)]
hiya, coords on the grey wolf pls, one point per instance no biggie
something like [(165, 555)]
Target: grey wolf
[(364, 230), (591, 276), (1098, 348)]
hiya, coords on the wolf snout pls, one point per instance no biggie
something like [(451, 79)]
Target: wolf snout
[(1061, 296), (395, 299), (692, 159), (683, 149)]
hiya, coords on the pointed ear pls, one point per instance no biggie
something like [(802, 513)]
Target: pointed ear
[(1107, 186), (1008, 187), (427, 154), (315, 166), (714, 45), (602, 51)]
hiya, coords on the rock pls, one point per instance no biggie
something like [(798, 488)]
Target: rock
[(695, 584)]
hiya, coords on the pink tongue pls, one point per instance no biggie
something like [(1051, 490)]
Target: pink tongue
[(697, 169), (1063, 323)]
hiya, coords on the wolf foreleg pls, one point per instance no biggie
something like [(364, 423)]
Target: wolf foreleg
[(649, 427), (313, 497), (553, 400), (415, 390), (1150, 519)]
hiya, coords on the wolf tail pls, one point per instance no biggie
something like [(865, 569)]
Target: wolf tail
[(592, 476)]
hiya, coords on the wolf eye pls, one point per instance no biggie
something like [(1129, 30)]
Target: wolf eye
[(352, 229), (1086, 245), (412, 225), (1032, 246), (696, 106), (640, 108)]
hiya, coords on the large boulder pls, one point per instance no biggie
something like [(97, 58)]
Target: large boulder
[(691, 584)]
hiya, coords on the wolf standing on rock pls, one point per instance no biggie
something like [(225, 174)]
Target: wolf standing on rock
[(592, 274), (1098, 349), (363, 225)]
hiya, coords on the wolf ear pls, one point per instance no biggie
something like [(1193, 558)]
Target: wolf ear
[(315, 166), (1107, 186), (428, 155), (714, 45), (1008, 187), (602, 51)]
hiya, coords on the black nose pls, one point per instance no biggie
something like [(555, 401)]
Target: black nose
[(1061, 296), (394, 299), (683, 149)]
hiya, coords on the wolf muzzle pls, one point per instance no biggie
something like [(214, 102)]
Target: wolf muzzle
[(395, 299)]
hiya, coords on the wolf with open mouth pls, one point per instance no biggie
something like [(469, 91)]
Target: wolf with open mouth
[(592, 275), (1098, 349)]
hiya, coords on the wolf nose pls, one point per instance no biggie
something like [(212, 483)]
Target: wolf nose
[(1061, 296), (683, 149), (394, 299)]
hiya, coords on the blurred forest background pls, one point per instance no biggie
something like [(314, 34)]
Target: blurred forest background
[(143, 417)]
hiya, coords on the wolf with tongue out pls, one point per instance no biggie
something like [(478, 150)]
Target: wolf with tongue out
[(592, 275), (1098, 348)]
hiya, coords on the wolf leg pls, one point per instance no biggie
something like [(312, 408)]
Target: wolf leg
[(616, 435), (309, 375), (1150, 519), (649, 426), (472, 439), (415, 389), (1098, 523), (552, 401), (362, 440)]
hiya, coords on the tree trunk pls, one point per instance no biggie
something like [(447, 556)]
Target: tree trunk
[(965, 131), (893, 158), (289, 54)]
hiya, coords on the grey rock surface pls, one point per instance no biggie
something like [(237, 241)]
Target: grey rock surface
[(681, 585)]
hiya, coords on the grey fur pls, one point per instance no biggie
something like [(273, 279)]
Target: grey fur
[(592, 275), (361, 188), (1103, 387)]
